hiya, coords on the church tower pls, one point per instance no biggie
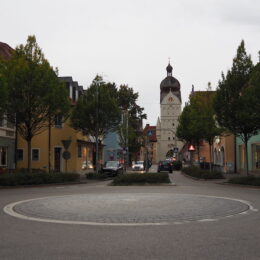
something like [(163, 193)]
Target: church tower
[(170, 108)]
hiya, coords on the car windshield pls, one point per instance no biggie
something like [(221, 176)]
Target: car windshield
[(165, 163), (111, 164), (139, 162)]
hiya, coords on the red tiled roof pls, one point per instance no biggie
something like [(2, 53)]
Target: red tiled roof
[(5, 50)]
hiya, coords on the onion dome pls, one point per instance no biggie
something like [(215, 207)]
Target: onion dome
[(169, 83)]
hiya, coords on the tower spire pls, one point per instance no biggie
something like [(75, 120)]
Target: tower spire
[(169, 69)]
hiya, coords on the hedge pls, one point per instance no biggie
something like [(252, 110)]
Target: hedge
[(202, 174), (96, 176), (13, 179), (141, 179), (245, 180), (177, 165)]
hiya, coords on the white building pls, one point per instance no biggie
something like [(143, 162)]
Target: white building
[(170, 107)]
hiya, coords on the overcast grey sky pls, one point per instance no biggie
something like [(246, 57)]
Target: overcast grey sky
[(130, 41)]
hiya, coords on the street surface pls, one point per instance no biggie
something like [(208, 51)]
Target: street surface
[(188, 220)]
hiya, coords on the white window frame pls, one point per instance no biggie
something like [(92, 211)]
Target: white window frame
[(61, 125), (38, 154)]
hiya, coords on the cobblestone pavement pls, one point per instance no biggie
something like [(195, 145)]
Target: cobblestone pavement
[(131, 208)]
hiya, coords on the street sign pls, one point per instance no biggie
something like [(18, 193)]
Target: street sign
[(191, 148), (149, 133), (66, 155), (175, 149), (66, 143)]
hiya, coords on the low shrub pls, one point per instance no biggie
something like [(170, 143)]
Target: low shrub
[(96, 176), (177, 165), (245, 180), (13, 179), (141, 179), (202, 174)]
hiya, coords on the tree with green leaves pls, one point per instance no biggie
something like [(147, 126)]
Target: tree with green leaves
[(204, 118), (34, 93), (197, 121), (130, 129), (96, 112), (235, 102), (190, 126)]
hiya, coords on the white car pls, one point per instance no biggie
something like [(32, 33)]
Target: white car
[(138, 166)]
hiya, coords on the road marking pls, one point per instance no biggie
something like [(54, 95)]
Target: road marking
[(9, 209)]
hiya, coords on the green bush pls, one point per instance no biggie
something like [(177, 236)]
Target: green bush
[(141, 179), (245, 180), (13, 179), (202, 174), (177, 165), (96, 176)]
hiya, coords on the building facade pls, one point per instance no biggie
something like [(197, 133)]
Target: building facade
[(170, 109), (69, 150), (253, 147), (7, 129)]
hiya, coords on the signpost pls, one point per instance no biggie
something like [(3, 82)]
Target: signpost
[(66, 153)]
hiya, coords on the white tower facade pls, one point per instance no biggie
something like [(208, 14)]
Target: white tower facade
[(170, 107)]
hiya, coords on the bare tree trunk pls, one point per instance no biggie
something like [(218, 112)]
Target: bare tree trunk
[(97, 163), (210, 156), (29, 165), (235, 154), (49, 147), (246, 155), (198, 148)]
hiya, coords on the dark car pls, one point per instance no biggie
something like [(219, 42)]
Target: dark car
[(112, 168), (165, 166)]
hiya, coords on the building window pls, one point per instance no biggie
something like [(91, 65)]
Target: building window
[(256, 156), (169, 138), (3, 156), (9, 133), (1, 121), (79, 151), (35, 154), (9, 125), (74, 93), (19, 154), (58, 121)]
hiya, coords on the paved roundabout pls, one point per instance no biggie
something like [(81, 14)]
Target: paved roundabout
[(128, 209)]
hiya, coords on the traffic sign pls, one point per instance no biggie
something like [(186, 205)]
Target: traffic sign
[(149, 133), (191, 148), (66, 155)]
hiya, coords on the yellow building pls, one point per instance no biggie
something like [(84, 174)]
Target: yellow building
[(81, 148)]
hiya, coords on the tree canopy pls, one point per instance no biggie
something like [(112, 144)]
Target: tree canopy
[(34, 93), (237, 98)]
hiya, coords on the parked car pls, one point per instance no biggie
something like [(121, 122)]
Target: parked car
[(112, 168), (138, 166), (165, 166)]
